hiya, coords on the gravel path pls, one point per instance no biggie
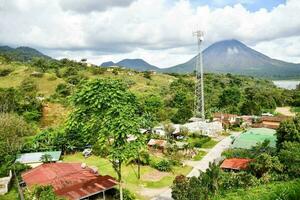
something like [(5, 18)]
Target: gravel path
[(202, 165)]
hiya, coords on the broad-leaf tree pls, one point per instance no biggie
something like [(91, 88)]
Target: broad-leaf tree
[(106, 112)]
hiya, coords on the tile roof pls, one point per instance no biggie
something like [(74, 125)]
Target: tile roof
[(235, 163), (69, 180)]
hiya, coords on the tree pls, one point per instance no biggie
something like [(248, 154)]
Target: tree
[(288, 131), (289, 155), (182, 115), (9, 100), (264, 163), (12, 130), (107, 112), (180, 188), (169, 130), (46, 158), (42, 193), (40, 64), (230, 97)]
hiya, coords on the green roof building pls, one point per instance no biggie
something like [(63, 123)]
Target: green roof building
[(34, 159), (254, 136)]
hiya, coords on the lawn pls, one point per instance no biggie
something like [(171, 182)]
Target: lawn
[(130, 173), (210, 144), (199, 155)]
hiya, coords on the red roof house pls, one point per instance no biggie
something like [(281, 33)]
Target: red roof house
[(235, 163), (70, 180)]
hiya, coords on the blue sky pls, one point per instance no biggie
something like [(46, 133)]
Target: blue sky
[(251, 5)]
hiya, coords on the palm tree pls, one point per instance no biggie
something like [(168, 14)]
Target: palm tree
[(46, 158)]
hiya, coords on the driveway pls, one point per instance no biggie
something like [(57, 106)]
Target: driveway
[(203, 164)]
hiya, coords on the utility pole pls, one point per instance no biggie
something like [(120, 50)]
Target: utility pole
[(199, 111)]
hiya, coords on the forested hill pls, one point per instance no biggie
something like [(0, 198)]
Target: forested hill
[(162, 96), (21, 53)]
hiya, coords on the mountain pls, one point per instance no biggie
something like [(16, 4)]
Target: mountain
[(136, 64), (232, 56), (22, 53)]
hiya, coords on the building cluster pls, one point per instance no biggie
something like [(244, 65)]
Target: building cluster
[(72, 181), (245, 121)]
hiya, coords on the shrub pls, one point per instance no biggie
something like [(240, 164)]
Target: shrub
[(97, 70), (163, 165), (63, 90), (33, 115), (5, 72), (147, 74), (127, 195)]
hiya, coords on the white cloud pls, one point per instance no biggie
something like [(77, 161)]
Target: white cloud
[(155, 30), (86, 6)]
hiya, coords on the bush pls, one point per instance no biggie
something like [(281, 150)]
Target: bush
[(127, 195), (63, 90), (75, 79), (97, 70), (33, 115), (238, 180), (163, 165), (5, 72)]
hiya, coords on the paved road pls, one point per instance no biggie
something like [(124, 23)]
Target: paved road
[(202, 165)]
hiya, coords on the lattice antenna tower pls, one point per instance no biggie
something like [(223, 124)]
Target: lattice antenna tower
[(199, 111)]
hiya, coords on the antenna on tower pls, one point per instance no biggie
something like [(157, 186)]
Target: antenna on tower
[(199, 111)]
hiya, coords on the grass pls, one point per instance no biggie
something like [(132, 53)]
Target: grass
[(295, 109), (210, 144), (46, 84), (199, 155), (129, 173), (54, 114)]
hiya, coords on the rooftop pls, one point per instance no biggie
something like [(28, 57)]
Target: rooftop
[(235, 163), (253, 136), (69, 180), (35, 157), (160, 143)]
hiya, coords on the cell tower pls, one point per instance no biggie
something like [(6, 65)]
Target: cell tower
[(199, 88)]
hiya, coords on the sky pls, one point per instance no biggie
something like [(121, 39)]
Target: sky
[(158, 31)]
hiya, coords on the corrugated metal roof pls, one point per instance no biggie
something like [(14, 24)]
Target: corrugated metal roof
[(69, 179), (235, 163), (35, 157)]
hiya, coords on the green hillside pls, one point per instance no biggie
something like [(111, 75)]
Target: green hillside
[(164, 96)]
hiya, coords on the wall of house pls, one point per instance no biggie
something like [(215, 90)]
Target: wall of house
[(4, 183)]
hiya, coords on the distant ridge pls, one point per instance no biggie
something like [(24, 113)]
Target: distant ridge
[(22, 53), (136, 64)]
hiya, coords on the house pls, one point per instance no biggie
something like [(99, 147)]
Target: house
[(159, 130), (225, 118), (235, 164), (272, 122), (4, 183), (73, 181), (159, 144), (35, 159)]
